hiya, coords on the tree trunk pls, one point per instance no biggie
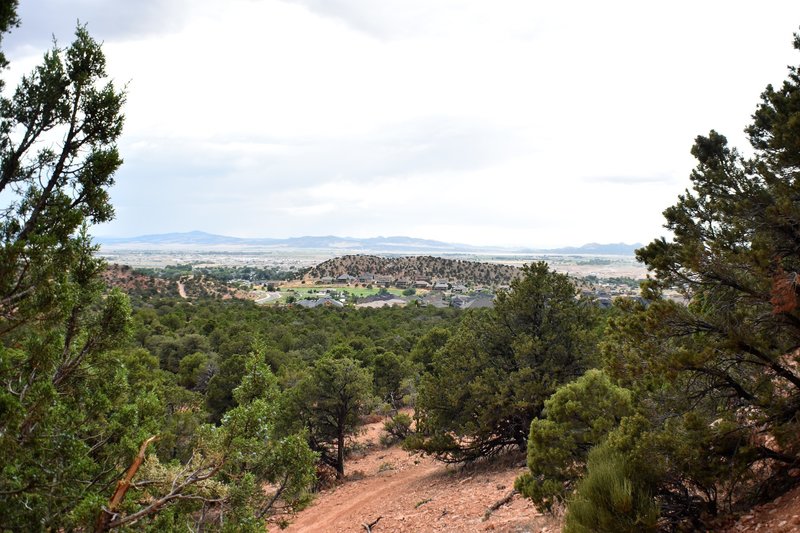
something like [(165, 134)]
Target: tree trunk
[(340, 453)]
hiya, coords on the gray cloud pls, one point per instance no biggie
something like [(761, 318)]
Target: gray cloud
[(106, 20), (386, 19), (431, 145), (400, 19), (183, 185), (631, 180)]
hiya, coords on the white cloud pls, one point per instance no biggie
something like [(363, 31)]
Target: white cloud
[(504, 122)]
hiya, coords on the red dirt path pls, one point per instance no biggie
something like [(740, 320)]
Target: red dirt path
[(416, 494)]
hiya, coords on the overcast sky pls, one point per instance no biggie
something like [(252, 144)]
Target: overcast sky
[(498, 122)]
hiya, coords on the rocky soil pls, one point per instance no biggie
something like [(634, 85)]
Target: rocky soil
[(781, 515)]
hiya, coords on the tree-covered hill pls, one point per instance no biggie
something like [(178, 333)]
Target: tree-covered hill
[(417, 267), (132, 282)]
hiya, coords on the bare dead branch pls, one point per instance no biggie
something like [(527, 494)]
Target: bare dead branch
[(175, 494), (369, 526), (122, 487)]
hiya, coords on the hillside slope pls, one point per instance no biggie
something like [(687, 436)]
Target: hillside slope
[(135, 283), (132, 282), (417, 267)]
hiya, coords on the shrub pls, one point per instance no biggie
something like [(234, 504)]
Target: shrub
[(398, 428), (578, 416), (614, 497)]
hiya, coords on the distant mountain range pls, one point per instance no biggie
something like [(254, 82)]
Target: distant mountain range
[(594, 248), (397, 244)]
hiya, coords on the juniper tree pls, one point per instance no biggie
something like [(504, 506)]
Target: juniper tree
[(718, 378), (328, 403), (493, 375)]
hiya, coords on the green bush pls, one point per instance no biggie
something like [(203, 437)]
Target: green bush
[(397, 429), (614, 497), (578, 416)]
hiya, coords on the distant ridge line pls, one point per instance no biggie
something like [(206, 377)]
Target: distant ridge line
[(397, 244)]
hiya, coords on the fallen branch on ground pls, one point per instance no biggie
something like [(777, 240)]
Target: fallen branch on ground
[(369, 526), (498, 504)]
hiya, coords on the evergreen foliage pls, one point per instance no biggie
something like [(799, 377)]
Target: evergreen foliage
[(578, 416), (492, 377), (70, 411), (397, 429), (715, 382), (614, 497), (329, 402), (53, 189), (725, 366)]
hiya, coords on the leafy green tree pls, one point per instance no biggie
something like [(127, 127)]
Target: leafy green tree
[(700, 435), (494, 374), (219, 394), (228, 470), (69, 411), (52, 189), (196, 370), (8, 20), (390, 371), (255, 453), (427, 346)]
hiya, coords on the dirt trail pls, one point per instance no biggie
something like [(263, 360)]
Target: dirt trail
[(415, 494), (181, 290), (346, 507)]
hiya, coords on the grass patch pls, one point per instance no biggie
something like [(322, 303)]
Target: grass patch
[(422, 502)]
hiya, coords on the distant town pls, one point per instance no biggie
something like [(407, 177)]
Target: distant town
[(335, 272)]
